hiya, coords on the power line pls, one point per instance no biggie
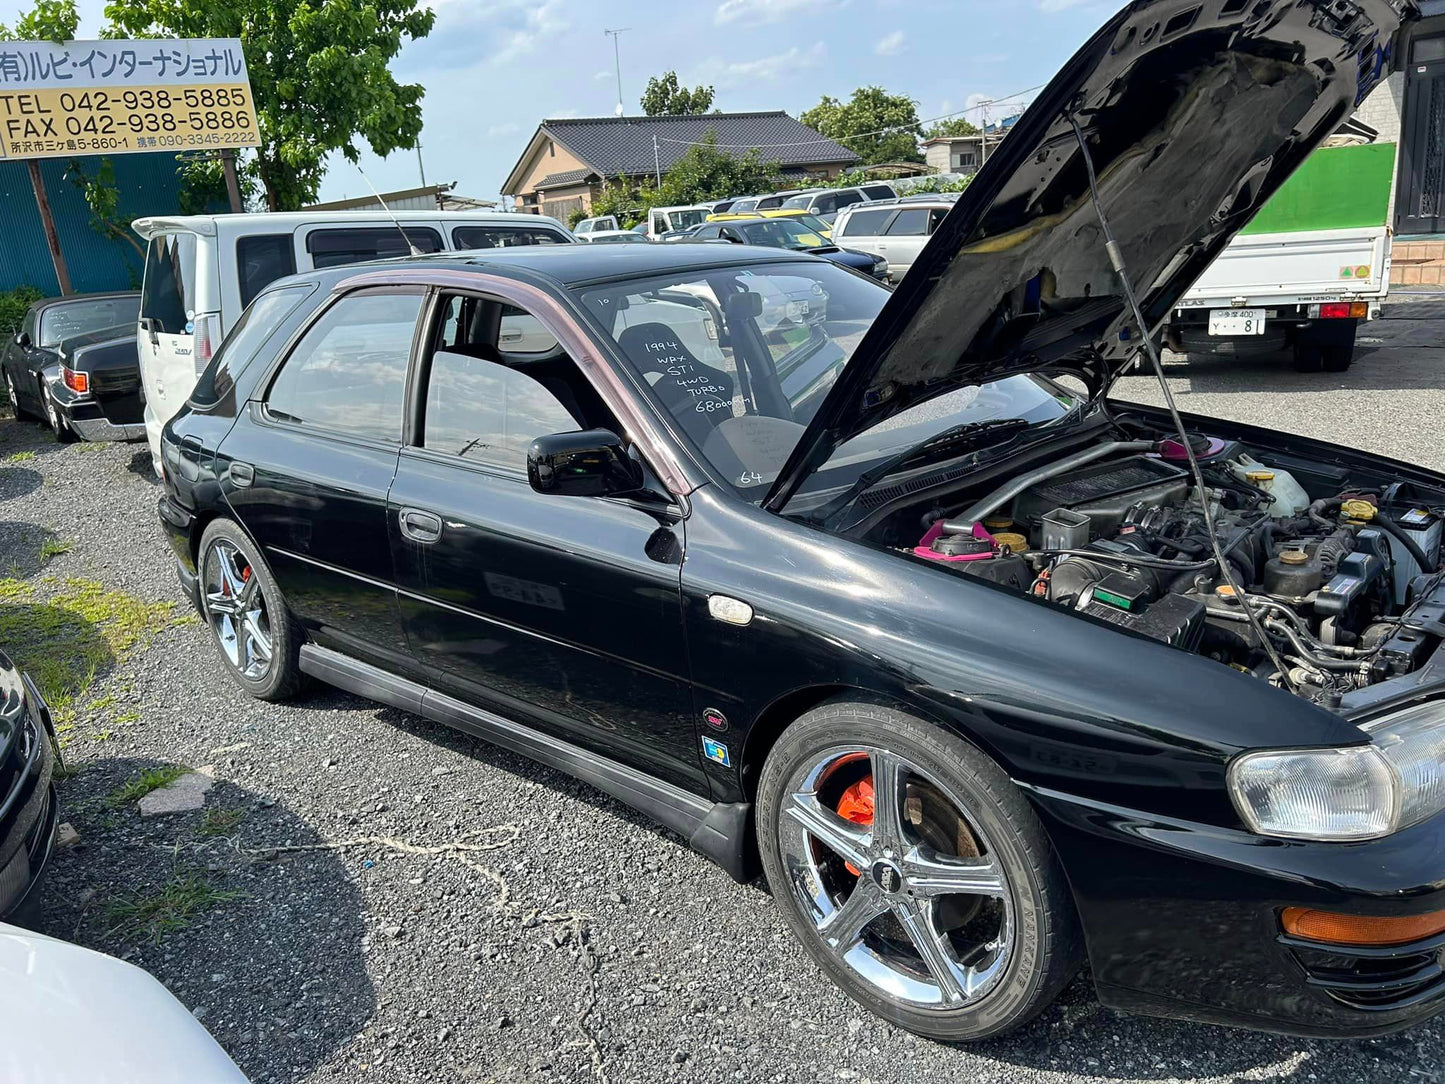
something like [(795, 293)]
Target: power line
[(855, 135)]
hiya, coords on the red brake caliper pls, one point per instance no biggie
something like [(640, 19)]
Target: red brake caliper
[(856, 805)]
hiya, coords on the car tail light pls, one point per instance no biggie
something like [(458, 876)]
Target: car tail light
[(1336, 929), (1340, 310), (76, 382), (207, 337)]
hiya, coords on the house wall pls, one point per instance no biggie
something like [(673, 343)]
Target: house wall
[(551, 157)]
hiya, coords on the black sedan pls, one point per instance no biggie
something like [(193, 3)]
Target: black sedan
[(28, 808), (98, 395), (30, 361), (794, 236), (992, 676)]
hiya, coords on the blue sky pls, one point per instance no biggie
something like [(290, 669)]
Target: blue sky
[(493, 68)]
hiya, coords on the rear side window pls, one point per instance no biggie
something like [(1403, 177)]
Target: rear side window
[(82, 317), (261, 259), (256, 325), (356, 244), (168, 294), (878, 191), (348, 373), (910, 223), (866, 223), (505, 236)]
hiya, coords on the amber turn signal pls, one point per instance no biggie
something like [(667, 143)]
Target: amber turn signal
[(1333, 929), (76, 382)]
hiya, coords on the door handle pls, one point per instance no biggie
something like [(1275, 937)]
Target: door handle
[(242, 474), (420, 526)]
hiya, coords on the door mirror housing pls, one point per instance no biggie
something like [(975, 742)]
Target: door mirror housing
[(590, 463), (22, 340)]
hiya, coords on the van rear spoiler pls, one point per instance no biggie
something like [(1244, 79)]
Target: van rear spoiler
[(149, 227)]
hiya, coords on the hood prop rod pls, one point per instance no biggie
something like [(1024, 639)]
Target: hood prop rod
[(1116, 260)]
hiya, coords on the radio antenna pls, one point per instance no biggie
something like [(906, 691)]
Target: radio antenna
[(394, 220)]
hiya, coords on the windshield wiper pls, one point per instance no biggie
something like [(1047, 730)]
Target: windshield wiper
[(966, 436)]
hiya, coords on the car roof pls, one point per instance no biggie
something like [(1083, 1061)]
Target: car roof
[(270, 221), (570, 265)]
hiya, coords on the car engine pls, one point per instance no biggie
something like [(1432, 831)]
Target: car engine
[(1346, 586)]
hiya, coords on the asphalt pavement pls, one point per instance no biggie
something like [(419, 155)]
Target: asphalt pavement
[(368, 896)]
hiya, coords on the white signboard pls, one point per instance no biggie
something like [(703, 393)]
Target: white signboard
[(118, 97)]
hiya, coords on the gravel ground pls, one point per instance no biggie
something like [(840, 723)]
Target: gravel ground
[(577, 941)]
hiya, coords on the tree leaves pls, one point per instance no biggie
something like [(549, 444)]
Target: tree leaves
[(666, 97), (876, 125)]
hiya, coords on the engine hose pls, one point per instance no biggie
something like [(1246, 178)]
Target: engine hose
[(1319, 510), (1411, 546), (1333, 549), (1340, 665)]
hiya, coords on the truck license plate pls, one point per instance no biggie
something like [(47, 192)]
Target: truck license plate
[(1236, 321)]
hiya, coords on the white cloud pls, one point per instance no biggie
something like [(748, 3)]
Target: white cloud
[(542, 21), (773, 11), (891, 45), (722, 73), (599, 76), (503, 129)]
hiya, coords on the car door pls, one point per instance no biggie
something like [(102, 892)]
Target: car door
[(905, 237), (307, 467), (863, 230), (562, 613), (21, 350)]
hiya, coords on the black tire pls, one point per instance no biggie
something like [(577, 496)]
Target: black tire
[(1308, 358), (58, 425), (13, 395), (282, 678), (1047, 949)]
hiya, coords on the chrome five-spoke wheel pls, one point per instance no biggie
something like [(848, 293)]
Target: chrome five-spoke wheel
[(236, 607), (899, 882)]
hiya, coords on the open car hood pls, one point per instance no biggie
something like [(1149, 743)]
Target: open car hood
[(1194, 113)]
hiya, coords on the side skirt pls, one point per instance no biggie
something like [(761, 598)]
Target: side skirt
[(719, 831)]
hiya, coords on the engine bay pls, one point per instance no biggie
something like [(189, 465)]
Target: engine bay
[(1341, 574)]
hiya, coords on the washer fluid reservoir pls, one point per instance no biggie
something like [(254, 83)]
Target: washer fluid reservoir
[(1290, 499)]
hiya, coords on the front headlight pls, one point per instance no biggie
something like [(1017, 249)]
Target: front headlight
[(1362, 792)]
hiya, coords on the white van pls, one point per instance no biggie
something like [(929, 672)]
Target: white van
[(203, 270), (662, 220)]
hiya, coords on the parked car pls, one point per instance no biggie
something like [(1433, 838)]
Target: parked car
[(203, 270), (810, 222), (596, 225), (75, 1016), (787, 233), (896, 230), (991, 674), (664, 220), (824, 203), (774, 200), (97, 394), (29, 811), (614, 237), (29, 362)]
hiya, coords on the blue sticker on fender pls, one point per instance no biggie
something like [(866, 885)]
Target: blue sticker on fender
[(717, 752)]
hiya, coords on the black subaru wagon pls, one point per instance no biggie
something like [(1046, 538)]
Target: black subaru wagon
[(880, 591)]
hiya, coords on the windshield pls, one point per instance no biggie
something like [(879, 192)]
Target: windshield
[(799, 203), (82, 317), (781, 233), (693, 216), (742, 357), (814, 223)]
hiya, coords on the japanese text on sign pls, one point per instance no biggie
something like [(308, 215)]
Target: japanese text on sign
[(123, 96)]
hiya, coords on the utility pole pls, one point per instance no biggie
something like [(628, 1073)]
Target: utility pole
[(657, 161), (419, 164), (52, 238), (617, 62)]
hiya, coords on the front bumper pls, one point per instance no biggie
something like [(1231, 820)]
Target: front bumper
[(29, 810), (1182, 920)]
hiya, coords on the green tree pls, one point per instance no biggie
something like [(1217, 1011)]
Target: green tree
[(876, 125), (705, 172), (49, 20), (956, 126), (320, 74), (103, 198), (666, 97)]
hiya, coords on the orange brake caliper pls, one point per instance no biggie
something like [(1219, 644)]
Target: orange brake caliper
[(856, 805)]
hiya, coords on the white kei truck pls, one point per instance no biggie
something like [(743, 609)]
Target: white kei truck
[(1306, 272)]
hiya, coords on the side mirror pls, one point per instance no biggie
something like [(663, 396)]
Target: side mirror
[(22, 340), (592, 463)]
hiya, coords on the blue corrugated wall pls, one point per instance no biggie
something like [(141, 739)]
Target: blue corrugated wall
[(147, 185)]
